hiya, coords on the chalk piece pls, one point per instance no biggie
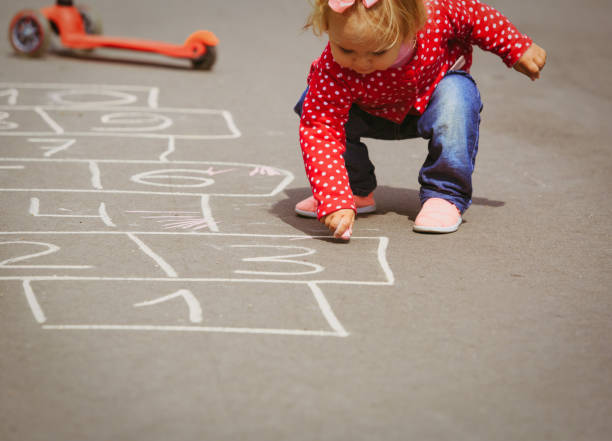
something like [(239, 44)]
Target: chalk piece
[(347, 234)]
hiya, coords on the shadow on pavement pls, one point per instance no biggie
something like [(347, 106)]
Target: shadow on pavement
[(402, 201), (126, 58)]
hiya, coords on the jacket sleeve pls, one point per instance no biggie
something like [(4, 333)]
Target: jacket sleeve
[(322, 137), (484, 26)]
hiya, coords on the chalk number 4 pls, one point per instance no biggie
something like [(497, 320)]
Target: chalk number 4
[(7, 125)]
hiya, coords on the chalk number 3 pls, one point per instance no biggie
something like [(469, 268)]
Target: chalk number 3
[(285, 259)]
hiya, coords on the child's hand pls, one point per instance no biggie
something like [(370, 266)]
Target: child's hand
[(532, 62), (339, 222)]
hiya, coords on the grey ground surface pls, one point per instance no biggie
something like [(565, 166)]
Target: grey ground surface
[(501, 331)]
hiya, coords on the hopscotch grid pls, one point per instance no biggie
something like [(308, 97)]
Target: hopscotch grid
[(152, 100)]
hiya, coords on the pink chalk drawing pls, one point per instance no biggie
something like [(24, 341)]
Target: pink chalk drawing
[(176, 220), (183, 222), (212, 172), (264, 170)]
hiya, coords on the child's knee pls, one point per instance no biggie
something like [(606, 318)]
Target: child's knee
[(459, 95)]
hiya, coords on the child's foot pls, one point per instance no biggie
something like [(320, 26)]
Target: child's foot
[(308, 207), (437, 216)]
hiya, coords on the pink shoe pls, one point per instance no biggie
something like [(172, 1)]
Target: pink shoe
[(437, 216), (308, 207)]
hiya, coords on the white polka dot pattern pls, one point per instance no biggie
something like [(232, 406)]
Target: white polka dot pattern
[(452, 27)]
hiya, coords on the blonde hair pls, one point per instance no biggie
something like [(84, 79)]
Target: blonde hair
[(389, 20)]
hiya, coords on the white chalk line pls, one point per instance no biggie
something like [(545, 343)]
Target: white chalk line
[(153, 99), (104, 215), (37, 311), (137, 161), (162, 211), (289, 332), (160, 162), (50, 121), (124, 135), (85, 107), (96, 181), (56, 278), (12, 167), (188, 233), (171, 148), (142, 192), (207, 214), (229, 119), (327, 311), (165, 266), (382, 259)]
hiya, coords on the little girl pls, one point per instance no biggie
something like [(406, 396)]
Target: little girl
[(397, 69)]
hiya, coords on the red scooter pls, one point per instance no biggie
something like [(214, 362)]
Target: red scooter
[(30, 33)]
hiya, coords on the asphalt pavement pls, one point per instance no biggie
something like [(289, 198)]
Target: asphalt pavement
[(155, 283)]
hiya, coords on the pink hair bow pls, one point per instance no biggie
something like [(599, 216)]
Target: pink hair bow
[(340, 6)]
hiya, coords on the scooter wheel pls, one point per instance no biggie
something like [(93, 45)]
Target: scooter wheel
[(29, 33), (206, 61), (91, 21)]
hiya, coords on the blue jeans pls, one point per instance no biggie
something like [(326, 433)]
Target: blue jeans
[(450, 123)]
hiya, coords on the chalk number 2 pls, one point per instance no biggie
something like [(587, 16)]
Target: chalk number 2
[(49, 249)]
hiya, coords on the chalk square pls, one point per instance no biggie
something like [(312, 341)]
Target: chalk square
[(41, 94), (73, 256), (23, 121), (211, 306), (270, 257), (141, 122), (60, 147)]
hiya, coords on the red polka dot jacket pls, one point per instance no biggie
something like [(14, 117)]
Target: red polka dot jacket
[(453, 26)]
